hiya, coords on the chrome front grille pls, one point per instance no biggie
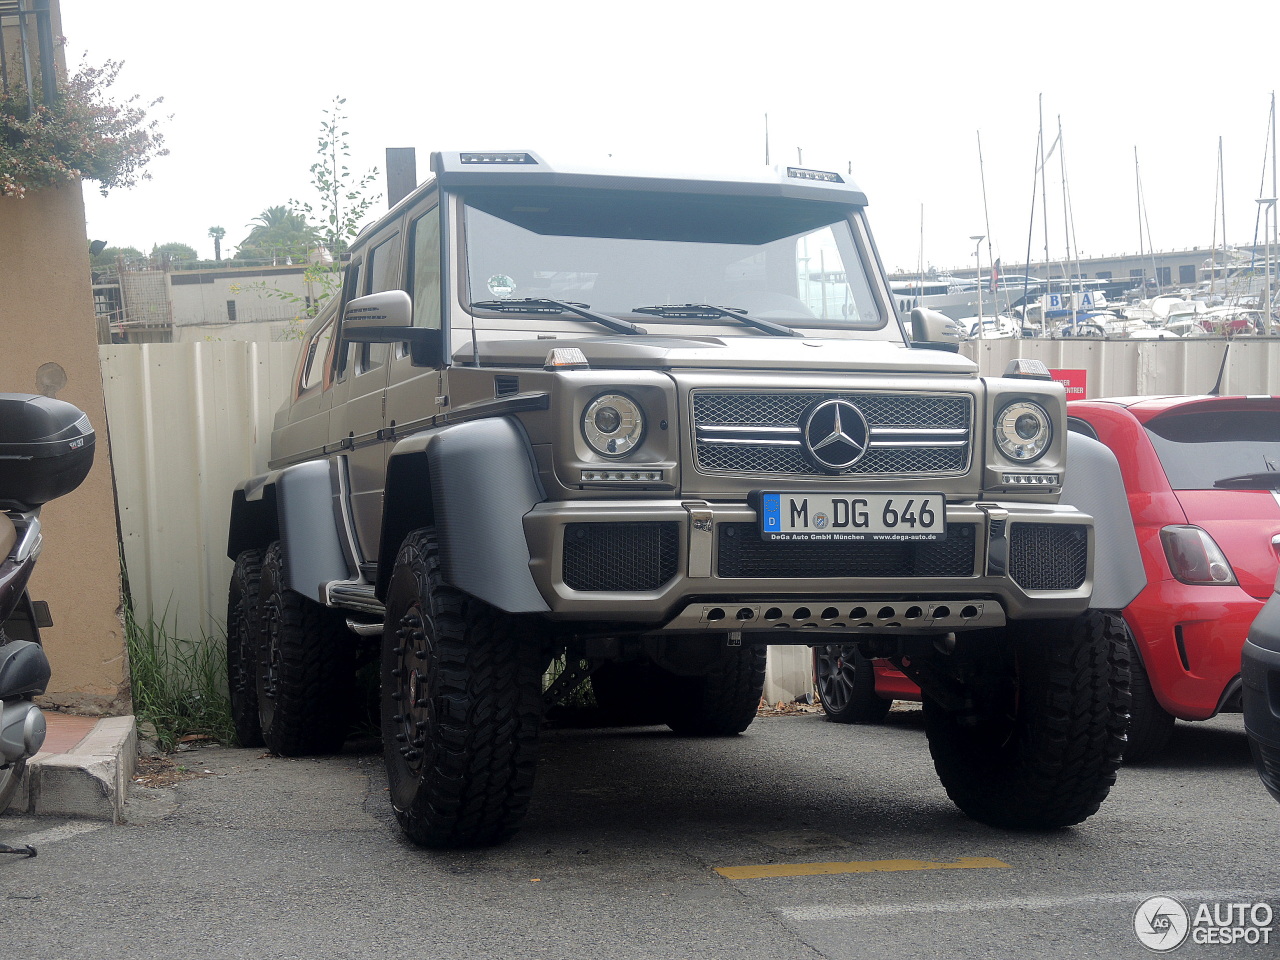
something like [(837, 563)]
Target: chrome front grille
[(760, 433)]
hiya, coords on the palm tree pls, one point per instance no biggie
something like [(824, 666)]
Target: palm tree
[(278, 232), (217, 233)]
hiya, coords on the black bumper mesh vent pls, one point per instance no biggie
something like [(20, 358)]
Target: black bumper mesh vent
[(741, 553), (620, 556), (1048, 556)]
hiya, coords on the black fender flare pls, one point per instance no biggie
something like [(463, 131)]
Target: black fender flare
[(296, 506), (474, 482)]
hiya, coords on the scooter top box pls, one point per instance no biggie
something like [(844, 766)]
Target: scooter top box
[(46, 449)]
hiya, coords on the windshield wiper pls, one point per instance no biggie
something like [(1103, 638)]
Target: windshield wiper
[(705, 311), (544, 305), (1266, 480)]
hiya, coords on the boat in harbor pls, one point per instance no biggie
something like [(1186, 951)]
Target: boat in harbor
[(958, 298)]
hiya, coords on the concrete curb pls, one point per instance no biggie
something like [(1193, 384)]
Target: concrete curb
[(90, 780)]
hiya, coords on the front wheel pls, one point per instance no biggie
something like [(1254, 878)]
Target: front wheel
[(1040, 742), (461, 706), (846, 682)]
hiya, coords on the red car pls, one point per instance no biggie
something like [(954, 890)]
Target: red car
[(1202, 475)]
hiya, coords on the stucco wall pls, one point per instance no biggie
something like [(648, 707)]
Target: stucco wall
[(46, 317)]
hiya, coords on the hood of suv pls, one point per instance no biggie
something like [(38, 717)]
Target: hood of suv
[(748, 353)]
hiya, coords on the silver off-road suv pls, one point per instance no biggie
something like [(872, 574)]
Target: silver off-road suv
[(651, 425)]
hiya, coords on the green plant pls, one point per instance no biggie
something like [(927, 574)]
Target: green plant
[(343, 198), (178, 684), (343, 204), (83, 134)]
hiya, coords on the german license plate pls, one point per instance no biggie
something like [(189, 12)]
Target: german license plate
[(866, 516)]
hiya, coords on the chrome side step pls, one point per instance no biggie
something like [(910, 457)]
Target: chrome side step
[(353, 595), (842, 616)]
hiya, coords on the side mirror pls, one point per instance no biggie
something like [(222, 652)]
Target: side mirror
[(931, 330), (389, 309), (387, 317)]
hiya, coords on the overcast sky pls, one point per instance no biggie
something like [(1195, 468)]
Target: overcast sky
[(900, 91)]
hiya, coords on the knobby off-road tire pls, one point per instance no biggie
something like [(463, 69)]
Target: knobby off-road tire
[(461, 706), (1150, 725), (846, 682), (242, 647), (1047, 741), (306, 667), (722, 703), (629, 694)]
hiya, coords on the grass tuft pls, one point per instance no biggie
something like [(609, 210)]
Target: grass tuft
[(179, 685)]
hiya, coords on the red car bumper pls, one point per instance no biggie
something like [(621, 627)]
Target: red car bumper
[(1190, 638)]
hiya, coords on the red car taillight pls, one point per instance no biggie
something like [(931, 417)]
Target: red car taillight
[(1195, 558)]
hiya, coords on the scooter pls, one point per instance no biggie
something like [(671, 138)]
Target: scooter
[(46, 450)]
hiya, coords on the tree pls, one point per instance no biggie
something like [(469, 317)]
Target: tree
[(279, 233), (343, 201), (217, 233), (108, 257), (174, 252), (343, 205), (82, 135)]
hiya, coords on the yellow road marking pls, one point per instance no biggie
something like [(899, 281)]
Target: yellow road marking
[(853, 866)]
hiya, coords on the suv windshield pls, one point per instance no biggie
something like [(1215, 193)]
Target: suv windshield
[(1198, 450), (785, 261)]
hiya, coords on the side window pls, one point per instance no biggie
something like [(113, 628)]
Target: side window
[(383, 274), (313, 366), (425, 276)]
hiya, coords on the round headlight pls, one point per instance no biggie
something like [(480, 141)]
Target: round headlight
[(613, 424), (1023, 431)]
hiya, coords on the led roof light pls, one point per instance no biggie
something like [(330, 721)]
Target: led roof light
[(802, 173)]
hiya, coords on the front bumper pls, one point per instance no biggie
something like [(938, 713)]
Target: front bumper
[(677, 563), (1260, 671)]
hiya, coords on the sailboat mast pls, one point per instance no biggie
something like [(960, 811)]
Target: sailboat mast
[(1044, 193), (1066, 222), (1137, 176), (1222, 187), (1031, 229), (920, 289), (986, 222), (1275, 238)]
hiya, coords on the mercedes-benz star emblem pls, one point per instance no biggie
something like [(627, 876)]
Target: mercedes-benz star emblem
[(835, 435)]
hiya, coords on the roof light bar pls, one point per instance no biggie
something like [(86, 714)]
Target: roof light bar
[(496, 158), (802, 173)]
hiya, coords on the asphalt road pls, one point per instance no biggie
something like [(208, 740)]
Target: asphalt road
[(622, 852)]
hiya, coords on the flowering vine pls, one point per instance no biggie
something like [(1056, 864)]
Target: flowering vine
[(84, 135)]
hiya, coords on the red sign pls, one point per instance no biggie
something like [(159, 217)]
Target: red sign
[(1074, 380)]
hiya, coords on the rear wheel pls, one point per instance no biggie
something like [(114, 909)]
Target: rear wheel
[(846, 683), (1150, 725), (305, 670), (721, 703), (1041, 745), (242, 647), (461, 706)]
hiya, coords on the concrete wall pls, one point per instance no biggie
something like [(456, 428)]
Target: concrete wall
[(47, 331)]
